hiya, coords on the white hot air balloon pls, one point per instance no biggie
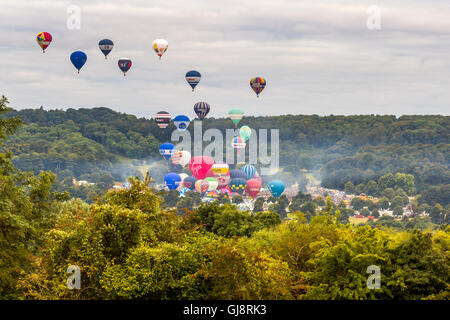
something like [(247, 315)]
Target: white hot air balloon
[(160, 46)]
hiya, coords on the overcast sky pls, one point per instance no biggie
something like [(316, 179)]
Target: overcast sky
[(317, 56)]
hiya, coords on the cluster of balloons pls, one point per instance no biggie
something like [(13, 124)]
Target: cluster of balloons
[(79, 58), (213, 179)]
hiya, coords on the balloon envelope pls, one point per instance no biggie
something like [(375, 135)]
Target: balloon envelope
[(238, 185), (258, 84), (200, 166), (193, 78), (236, 115), (201, 186), (249, 170), (181, 122), (163, 119), (124, 65), (245, 132), (201, 109), (236, 173), (189, 182), (181, 157), (160, 46), (276, 188), (253, 187), (78, 59), (213, 183), (44, 39), (106, 46), (238, 143), (166, 150), (172, 180)]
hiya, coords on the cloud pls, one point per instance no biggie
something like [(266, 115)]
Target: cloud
[(318, 57)]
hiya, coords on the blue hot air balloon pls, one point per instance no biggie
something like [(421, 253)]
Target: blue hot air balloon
[(78, 59), (249, 170), (276, 188), (181, 122), (166, 150), (172, 180), (238, 185), (237, 174), (201, 109), (193, 78), (106, 46), (183, 191), (189, 182)]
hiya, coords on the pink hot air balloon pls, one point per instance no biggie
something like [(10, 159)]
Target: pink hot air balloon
[(253, 187), (200, 166)]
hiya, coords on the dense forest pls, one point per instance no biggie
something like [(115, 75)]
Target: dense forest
[(128, 245), (103, 146)]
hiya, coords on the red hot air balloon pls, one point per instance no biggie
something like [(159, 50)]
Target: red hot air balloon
[(44, 39), (253, 187), (200, 166)]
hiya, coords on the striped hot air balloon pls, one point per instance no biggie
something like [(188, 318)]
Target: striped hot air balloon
[(258, 84), (163, 119), (201, 109), (193, 78), (249, 170)]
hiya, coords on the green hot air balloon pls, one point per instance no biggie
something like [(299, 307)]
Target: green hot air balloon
[(236, 115), (245, 132)]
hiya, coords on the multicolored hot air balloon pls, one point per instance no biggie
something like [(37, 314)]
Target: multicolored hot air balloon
[(182, 176), (181, 157), (160, 46), (258, 84), (181, 122), (106, 46), (200, 166), (213, 194), (238, 143), (78, 59), (183, 191), (220, 169), (201, 109), (124, 65), (238, 185), (213, 183), (253, 187), (201, 186), (249, 170), (44, 39), (166, 150), (236, 115), (189, 182), (276, 188), (245, 132), (163, 119), (193, 78), (172, 180)]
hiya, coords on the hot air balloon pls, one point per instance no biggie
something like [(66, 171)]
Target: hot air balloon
[(235, 174), (256, 176), (236, 115), (213, 183), (201, 186), (106, 46), (253, 187), (172, 180), (181, 122), (160, 46), (220, 169), (200, 166), (258, 84), (124, 65), (245, 132), (78, 59), (249, 170), (189, 182), (193, 78), (182, 176), (238, 185), (213, 194), (163, 119), (276, 188), (181, 157), (183, 191), (223, 180), (44, 39), (238, 143), (201, 109), (166, 150)]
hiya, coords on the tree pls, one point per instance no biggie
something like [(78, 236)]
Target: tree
[(357, 203), (360, 188), (397, 202), (372, 188), (349, 188), (238, 199), (365, 212), (397, 211), (437, 214), (383, 203), (258, 205)]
